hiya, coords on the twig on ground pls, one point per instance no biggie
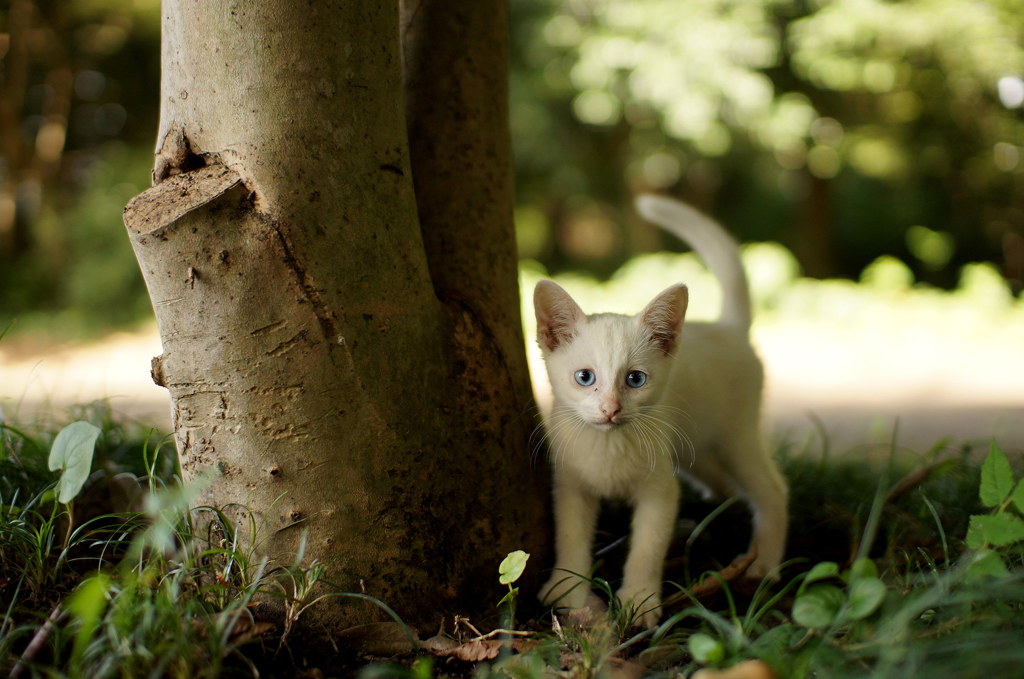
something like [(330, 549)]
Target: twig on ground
[(712, 583), (912, 480), (497, 632), (38, 641)]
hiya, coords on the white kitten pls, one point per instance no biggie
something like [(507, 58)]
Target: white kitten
[(640, 399)]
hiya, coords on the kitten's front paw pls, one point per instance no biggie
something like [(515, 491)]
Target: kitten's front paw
[(762, 571), (645, 602), (763, 568)]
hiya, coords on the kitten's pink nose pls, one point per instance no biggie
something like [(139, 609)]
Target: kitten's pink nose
[(610, 409)]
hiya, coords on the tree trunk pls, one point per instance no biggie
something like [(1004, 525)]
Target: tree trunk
[(327, 372)]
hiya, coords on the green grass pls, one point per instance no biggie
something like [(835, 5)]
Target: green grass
[(901, 565), (114, 584)]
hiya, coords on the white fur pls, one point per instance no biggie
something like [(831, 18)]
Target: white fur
[(697, 415)]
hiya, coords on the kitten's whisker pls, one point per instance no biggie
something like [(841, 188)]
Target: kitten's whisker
[(653, 438), (563, 429), (671, 432)]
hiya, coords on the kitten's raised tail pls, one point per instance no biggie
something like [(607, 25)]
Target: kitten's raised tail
[(711, 242)]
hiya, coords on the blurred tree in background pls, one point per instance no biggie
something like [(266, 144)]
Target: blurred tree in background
[(844, 129), (78, 102)]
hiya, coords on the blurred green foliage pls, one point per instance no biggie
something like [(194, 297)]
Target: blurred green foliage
[(82, 276), (886, 295), (78, 104), (844, 129)]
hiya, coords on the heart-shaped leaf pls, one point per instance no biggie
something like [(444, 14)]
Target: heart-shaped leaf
[(824, 570), (863, 568), (71, 453), (865, 596), (818, 607), (512, 567)]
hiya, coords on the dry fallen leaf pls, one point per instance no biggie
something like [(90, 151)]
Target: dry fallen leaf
[(626, 669), (438, 644), (246, 629), (473, 651), (748, 669)]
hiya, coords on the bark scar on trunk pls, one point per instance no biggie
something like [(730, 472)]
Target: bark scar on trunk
[(156, 371), (175, 156), (157, 209), (323, 313)]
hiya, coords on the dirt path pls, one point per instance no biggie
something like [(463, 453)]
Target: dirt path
[(115, 368), (856, 387), (863, 386)]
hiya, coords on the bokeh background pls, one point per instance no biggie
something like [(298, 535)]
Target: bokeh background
[(869, 153)]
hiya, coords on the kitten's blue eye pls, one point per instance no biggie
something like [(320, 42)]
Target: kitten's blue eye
[(636, 378), (585, 378)]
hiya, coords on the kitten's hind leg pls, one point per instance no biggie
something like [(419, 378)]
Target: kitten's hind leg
[(758, 479)]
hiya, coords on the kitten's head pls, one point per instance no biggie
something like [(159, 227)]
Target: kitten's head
[(606, 368)]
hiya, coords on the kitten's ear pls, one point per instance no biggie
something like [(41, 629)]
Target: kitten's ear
[(557, 315), (664, 317)]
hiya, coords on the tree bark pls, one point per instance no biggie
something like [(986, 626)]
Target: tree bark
[(317, 370), (456, 100)]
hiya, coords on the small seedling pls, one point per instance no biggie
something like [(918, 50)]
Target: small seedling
[(510, 570), (822, 602), (71, 454)]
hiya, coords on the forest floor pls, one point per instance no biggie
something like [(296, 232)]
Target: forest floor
[(855, 388)]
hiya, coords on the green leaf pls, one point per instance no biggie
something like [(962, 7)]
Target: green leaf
[(863, 568), (1018, 496), (510, 597), (512, 567), (999, 530), (821, 571), (865, 596), (986, 563), (423, 668), (818, 607), (705, 649), (71, 453), (87, 604), (975, 534), (996, 478), (775, 645)]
